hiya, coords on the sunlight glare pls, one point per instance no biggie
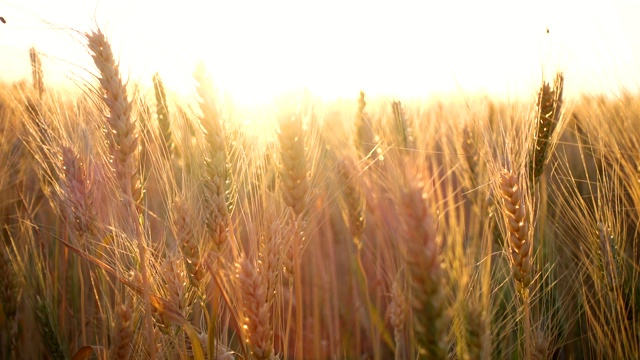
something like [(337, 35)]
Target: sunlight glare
[(256, 50)]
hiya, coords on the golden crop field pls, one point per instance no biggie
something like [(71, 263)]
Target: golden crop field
[(141, 221)]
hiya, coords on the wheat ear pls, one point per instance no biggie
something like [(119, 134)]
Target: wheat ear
[(122, 337), (471, 156), (354, 199), (402, 126), (548, 116), (476, 330), (541, 346), (398, 318), (173, 287), (36, 71), (162, 113), (271, 259), (428, 298), (517, 223), (293, 171), (122, 129), (293, 174), (175, 279), (79, 192), (8, 285), (124, 146), (216, 171), (257, 312), (365, 138), (48, 329), (185, 236)]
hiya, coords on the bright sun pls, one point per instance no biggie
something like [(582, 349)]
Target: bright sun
[(257, 50)]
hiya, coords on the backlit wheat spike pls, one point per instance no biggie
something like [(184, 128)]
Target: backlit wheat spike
[(122, 336), (541, 344), (609, 257), (517, 224), (471, 155), (403, 127), (293, 171), (287, 260), (354, 199), (175, 280), (47, 327), (216, 171), (79, 192), (271, 259), (257, 311), (123, 137), (8, 286), (36, 71), (548, 115), (122, 129), (398, 318), (294, 188), (162, 112), (476, 330), (10, 290), (428, 298), (183, 218), (365, 137)]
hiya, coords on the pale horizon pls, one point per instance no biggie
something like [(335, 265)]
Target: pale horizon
[(255, 51)]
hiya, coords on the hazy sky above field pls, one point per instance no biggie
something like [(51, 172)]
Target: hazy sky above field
[(335, 48)]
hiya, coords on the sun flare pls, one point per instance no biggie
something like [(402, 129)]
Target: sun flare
[(255, 51)]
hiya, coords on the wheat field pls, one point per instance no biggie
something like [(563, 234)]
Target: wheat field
[(136, 225)]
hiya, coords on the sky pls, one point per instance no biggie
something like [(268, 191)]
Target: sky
[(255, 50)]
